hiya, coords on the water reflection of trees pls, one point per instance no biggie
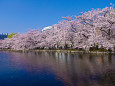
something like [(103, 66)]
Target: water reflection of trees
[(72, 68)]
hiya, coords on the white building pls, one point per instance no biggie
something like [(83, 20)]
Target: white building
[(47, 28)]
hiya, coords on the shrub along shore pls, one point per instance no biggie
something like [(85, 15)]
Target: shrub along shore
[(62, 51)]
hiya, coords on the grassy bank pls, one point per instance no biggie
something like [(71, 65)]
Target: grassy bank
[(61, 50)]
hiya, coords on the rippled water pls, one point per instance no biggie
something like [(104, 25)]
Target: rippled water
[(56, 69)]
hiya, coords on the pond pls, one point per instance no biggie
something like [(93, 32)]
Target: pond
[(56, 69)]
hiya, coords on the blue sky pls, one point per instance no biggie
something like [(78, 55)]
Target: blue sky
[(22, 15)]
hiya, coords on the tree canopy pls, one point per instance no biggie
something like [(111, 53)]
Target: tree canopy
[(90, 29), (11, 35)]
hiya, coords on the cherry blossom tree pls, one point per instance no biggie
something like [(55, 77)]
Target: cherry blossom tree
[(90, 29)]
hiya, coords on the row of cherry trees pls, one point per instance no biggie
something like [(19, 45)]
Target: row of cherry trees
[(90, 29)]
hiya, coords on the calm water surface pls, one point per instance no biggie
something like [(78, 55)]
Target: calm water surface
[(56, 69)]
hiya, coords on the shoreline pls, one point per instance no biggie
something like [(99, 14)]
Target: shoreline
[(65, 51)]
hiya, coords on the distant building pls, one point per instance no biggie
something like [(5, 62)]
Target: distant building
[(3, 36), (47, 28)]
